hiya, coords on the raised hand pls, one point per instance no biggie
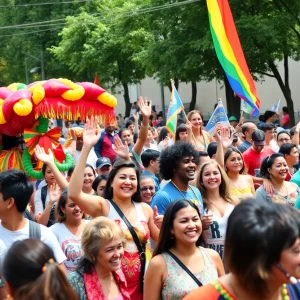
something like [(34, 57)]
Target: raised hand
[(158, 219), (206, 220), (54, 193), (73, 134), (43, 156), (188, 125), (145, 106), (136, 116), (90, 134), (224, 136), (121, 149)]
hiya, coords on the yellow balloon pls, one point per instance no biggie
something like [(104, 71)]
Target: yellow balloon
[(23, 107)]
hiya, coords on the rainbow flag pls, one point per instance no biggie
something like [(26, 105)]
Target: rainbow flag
[(230, 53), (175, 107), (245, 107)]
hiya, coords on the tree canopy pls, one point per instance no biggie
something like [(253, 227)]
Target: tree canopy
[(126, 40)]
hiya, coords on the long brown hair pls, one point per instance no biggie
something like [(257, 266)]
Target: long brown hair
[(62, 202), (223, 188), (192, 112), (166, 241)]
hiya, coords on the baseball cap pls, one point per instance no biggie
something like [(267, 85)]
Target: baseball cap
[(232, 118), (103, 161), (258, 137)]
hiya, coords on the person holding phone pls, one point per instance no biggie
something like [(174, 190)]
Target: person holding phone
[(218, 204)]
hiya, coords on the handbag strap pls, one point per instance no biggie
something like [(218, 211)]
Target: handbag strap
[(183, 266), (132, 231)]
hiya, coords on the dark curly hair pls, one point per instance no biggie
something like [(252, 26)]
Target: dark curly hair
[(171, 156)]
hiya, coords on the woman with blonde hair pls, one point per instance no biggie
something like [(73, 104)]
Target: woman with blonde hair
[(98, 275), (199, 138), (68, 230), (218, 204)]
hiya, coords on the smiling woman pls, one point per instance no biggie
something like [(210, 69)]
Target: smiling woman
[(218, 204), (98, 275), (275, 168), (262, 256), (180, 239), (121, 203)]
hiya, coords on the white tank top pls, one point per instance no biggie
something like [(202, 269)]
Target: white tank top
[(216, 232), (140, 226)]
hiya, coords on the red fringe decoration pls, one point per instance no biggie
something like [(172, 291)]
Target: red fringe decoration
[(72, 110)]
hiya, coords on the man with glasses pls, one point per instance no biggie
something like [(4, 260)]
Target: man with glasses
[(150, 160), (254, 156), (283, 137)]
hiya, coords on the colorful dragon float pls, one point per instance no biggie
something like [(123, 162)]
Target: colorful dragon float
[(26, 109)]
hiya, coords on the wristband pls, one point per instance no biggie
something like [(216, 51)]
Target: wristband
[(144, 126)]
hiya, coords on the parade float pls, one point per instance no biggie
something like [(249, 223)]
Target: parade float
[(26, 109)]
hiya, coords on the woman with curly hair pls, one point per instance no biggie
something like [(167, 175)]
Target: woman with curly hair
[(218, 205)]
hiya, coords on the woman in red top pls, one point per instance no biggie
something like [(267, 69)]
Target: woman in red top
[(98, 276)]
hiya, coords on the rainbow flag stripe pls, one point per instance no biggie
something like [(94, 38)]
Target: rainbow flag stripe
[(230, 53)]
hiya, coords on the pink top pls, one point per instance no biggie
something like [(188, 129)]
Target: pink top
[(120, 297)]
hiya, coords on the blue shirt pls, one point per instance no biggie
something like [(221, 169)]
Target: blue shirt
[(245, 145), (170, 193), (156, 180)]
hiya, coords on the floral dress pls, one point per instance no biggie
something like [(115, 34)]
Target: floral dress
[(179, 283)]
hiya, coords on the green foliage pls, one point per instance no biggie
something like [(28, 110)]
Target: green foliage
[(125, 40)]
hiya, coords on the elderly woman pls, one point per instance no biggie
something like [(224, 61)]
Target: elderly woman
[(98, 275)]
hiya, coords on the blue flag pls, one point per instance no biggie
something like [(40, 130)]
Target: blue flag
[(218, 116), (175, 108), (276, 106)]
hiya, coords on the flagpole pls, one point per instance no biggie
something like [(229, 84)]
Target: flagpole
[(195, 141)]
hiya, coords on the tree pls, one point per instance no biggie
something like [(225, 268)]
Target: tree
[(109, 48), (31, 38)]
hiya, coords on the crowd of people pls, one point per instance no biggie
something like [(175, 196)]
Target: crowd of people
[(145, 215)]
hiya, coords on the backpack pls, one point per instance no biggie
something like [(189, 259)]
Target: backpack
[(34, 230), (44, 191)]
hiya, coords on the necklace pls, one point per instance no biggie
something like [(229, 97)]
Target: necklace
[(199, 139), (228, 296), (279, 192), (181, 191)]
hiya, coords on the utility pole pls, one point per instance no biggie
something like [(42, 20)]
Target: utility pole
[(163, 99), (26, 72), (43, 65)]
